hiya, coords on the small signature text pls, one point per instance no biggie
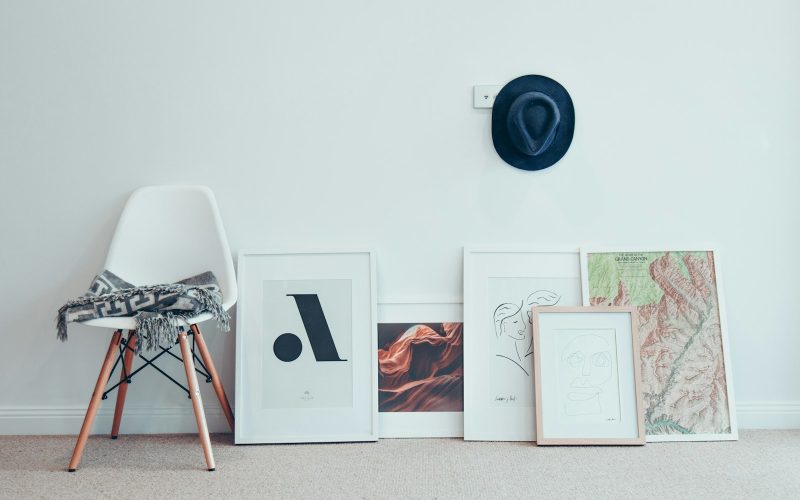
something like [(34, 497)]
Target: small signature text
[(505, 399)]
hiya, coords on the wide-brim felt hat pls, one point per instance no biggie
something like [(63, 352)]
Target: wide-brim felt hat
[(533, 120)]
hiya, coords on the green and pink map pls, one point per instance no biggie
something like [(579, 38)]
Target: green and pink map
[(683, 367)]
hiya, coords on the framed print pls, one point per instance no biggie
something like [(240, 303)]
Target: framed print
[(685, 364), (305, 348), (588, 386), (420, 370), (500, 288)]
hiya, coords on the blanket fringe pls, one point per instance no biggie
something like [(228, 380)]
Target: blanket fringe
[(211, 302), (155, 329), (61, 323)]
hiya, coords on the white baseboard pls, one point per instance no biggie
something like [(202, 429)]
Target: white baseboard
[(135, 420), (768, 414), (180, 419)]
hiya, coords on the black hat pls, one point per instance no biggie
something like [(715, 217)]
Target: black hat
[(532, 122)]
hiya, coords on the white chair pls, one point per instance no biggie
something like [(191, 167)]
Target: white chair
[(165, 234)]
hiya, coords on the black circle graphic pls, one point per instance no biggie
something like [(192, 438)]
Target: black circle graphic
[(287, 347)]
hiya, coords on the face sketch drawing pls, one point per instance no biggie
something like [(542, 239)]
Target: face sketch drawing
[(513, 328), (587, 363)]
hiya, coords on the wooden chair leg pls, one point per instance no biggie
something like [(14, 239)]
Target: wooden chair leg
[(122, 390), (94, 403), (216, 382), (197, 401)]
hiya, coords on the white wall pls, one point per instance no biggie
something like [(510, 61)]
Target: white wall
[(349, 123)]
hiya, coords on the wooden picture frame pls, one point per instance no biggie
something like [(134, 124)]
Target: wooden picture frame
[(588, 379), (306, 368), (659, 282), (500, 285)]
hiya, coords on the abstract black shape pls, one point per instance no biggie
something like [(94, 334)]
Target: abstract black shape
[(287, 347), (319, 334)]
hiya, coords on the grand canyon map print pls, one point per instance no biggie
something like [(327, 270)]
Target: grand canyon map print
[(683, 363)]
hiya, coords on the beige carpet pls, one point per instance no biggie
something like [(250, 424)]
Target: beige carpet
[(762, 464)]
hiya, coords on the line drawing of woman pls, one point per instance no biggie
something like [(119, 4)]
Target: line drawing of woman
[(514, 327), (510, 324)]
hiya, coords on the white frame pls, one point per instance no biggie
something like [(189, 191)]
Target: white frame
[(281, 425), (482, 421), (582, 434), (734, 434), (420, 424)]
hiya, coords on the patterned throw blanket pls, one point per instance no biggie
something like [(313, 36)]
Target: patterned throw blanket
[(158, 309)]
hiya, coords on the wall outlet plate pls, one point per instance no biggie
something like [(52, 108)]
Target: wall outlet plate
[(483, 95)]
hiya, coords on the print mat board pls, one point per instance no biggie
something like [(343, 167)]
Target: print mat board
[(686, 369), (424, 340), (305, 347), (588, 388), (500, 287)]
